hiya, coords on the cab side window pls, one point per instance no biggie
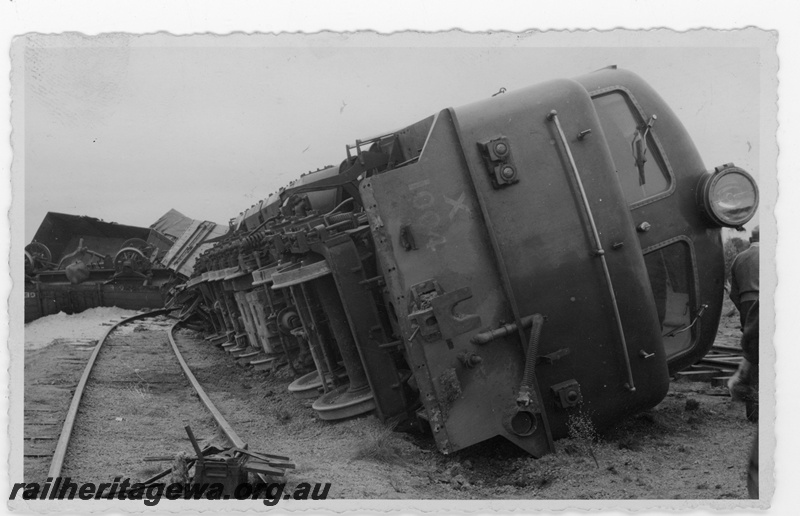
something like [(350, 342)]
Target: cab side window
[(670, 271), (623, 126)]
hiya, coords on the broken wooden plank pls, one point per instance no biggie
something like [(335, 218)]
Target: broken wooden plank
[(720, 381), (702, 375)]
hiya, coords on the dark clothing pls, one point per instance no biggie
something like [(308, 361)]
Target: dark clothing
[(750, 351), (744, 276), (744, 294), (752, 470), (744, 384), (749, 342), (744, 309)]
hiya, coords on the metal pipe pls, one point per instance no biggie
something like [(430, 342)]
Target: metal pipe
[(553, 117), (324, 344), (337, 319), (310, 335), (503, 331)]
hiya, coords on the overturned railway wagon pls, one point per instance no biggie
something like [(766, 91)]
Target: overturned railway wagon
[(77, 262), (489, 270)]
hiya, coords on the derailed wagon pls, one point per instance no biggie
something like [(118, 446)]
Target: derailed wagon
[(76, 262), (491, 269)]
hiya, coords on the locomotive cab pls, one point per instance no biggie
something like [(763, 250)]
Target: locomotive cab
[(543, 255), (677, 208)]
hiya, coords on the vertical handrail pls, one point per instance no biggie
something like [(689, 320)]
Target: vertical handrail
[(599, 252)]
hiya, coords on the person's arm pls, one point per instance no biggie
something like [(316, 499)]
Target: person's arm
[(749, 340), (734, 293)]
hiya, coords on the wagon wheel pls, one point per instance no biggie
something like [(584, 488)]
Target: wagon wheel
[(137, 243), (134, 256), (30, 263), (39, 251)]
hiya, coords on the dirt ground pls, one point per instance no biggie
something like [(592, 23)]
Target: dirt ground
[(137, 404), (692, 445)]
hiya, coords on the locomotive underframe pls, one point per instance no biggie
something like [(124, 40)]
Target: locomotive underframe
[(500, 281)]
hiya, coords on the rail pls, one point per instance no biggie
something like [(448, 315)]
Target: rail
[(72, 413), (230, 434), (66, 431)]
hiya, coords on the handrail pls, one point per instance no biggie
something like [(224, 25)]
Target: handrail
[(599, 252)]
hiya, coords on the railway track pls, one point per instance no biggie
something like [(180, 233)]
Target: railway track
[(716, 367), (132, 395)]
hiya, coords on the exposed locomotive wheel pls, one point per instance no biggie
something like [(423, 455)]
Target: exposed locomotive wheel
[(134, 256), (310, 385), (340, 403), (307, 386)]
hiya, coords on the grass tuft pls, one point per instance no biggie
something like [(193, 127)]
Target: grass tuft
[(180, 471), (380, 445), (282, 415)]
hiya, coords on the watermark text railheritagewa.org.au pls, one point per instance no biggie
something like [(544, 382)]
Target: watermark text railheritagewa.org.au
[(151, 494)]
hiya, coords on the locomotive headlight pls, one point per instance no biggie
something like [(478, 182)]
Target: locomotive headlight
[(729, 196)]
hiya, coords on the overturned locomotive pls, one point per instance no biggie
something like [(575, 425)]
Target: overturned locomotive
[(488, 270)]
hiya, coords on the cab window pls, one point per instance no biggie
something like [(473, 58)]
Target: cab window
[(639, 167), (670, 270)]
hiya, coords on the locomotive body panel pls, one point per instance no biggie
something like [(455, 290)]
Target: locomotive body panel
[(534, 237), (452, 251), (677, 232)]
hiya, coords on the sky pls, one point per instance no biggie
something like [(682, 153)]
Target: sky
[(125, 128)]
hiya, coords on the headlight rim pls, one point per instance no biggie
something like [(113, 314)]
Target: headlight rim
[(706, 188)]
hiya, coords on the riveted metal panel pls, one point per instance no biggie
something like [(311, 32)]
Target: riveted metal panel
[(521, 248)]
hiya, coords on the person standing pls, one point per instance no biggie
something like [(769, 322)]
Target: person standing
[(743, 385), (744, 278)]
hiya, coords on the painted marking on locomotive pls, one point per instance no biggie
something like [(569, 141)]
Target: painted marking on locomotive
[(423, 200), (429, 220), (457, 204)]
